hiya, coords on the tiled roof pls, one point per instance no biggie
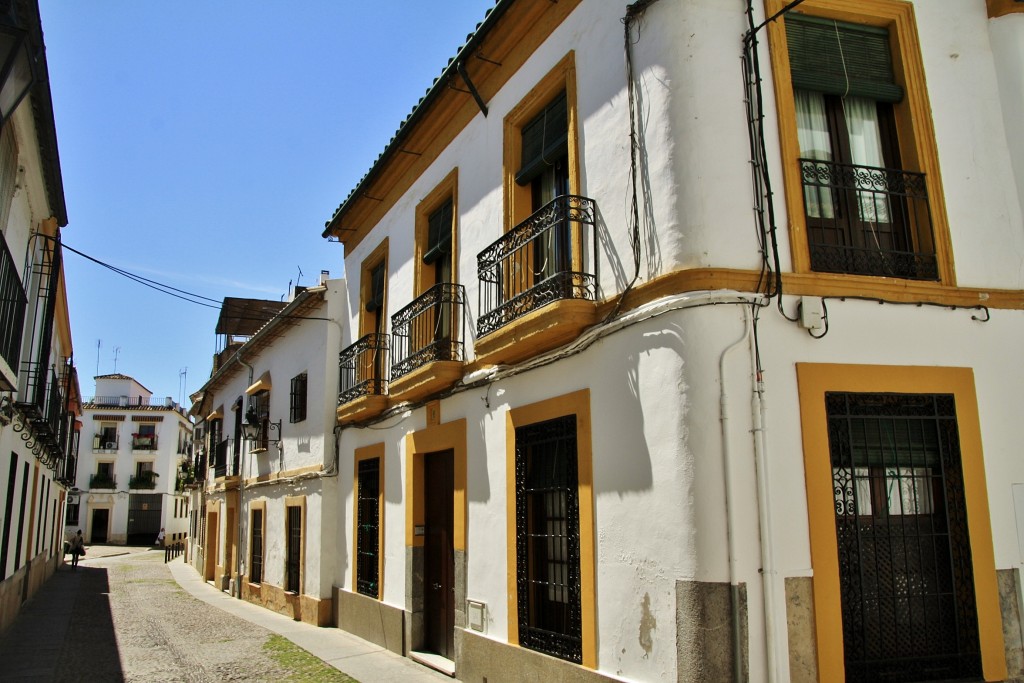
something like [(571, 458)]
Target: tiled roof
[(438, 86)]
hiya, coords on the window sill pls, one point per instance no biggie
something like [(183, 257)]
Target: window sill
[(542, 330)]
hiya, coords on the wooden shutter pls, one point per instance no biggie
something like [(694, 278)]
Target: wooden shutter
[(545, 140), (439, 233), (838, 58)]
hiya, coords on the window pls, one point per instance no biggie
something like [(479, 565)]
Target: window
[(8, 173), (862, 181), (368, 527), (293, 549), (548, 538), (145, 438), (71, 513), (12, 480), (107, 437), (297, 400), (256, 549), (260, 405)]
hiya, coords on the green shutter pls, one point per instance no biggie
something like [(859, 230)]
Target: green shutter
[(376, 301), (545, 140), (439, 233), (837, 58)]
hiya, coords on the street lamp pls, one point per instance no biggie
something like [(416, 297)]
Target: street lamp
[(252, 429), (17, 73)]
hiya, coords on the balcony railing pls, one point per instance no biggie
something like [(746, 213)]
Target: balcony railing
[(866, 220), (220, 459), (144, 443), (431, 328), (363, 368), (531, 266), (13, 303), (143, 480), (102, 481), (106, 443)]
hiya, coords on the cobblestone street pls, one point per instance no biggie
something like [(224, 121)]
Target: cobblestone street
[(130, 620)]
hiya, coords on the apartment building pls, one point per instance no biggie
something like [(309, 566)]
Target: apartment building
[(681, 343), (39, 395), (130, 482)]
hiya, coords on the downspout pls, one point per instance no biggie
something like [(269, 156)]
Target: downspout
[(734, 596), (758, 410), (241, 490)]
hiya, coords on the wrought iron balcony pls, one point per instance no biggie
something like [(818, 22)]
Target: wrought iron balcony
[(363, 367), (13, 304), (865, 220), (220, 459), (532, 265), (429, 329), (144, 442), (102, 481), (143, 480)]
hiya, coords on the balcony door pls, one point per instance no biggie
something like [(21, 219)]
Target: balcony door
[(439, 554)]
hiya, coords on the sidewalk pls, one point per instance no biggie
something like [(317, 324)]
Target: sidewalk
[(364, 661)]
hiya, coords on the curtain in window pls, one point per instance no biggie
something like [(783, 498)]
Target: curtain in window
[(861, 115), (815, 143)]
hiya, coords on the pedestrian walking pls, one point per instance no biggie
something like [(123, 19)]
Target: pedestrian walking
[(77, 549), (160, 538)]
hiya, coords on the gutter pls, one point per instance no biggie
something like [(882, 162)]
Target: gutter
[(439, 86)]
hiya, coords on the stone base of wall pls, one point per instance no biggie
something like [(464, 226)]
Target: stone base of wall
[(371, 620), (22, 585), (800, 627), (706, 650), (1009, 583), (479, 658), (304, 608)]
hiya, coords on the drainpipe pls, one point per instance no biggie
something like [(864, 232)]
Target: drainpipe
[(758, 410), (241, 489), (734, 597)]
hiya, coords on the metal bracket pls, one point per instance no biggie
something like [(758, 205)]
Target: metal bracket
[(461, 68)]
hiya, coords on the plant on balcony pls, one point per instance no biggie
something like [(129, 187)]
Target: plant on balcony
[(143, 480), (102, 481)]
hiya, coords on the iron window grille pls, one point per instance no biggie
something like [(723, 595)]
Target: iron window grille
[(906, 572), (13, 306), (220, 459), (429, 329), (293, 560), (531, 266), (297, 400), (362, 368), (548, 539), (256, 550), (368, 529)]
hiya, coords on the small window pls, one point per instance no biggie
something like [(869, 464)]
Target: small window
[(71, 516), (293, 555), (297, 409), (261, 406)]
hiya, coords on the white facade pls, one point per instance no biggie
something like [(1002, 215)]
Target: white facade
[(705, 483), (39, 395), (286, 372), (131, 451)]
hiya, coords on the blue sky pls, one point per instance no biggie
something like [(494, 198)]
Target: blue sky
[(204, 144)]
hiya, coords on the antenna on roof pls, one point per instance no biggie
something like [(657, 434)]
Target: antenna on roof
[(117, 350), (300, 276), (99, 343), (182, 381)]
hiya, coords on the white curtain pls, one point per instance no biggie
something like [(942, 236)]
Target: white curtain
[(861, 116), (812, 133)]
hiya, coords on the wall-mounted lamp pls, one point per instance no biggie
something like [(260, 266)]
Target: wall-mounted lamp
[(17, 63), (253, 429)]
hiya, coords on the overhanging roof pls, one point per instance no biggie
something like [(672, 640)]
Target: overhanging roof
[(242, 317)]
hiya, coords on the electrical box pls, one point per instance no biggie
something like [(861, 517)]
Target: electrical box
[(812, 313)]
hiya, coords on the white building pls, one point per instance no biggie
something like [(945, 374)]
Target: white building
[(277, 371), (39, 395), (703, 324), (130, 456)]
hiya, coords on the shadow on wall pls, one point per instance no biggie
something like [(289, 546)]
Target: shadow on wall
[(47, 643)]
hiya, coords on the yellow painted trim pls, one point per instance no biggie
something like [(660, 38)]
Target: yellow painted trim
[(578, 404), (813, 381), (261, 505), (367, 453), (432, 439), (283, 474), (445, 190), (913, 115), (296, 502), (262, 384), (217, 414), (369, 263), (518, 202), (1000, 8)]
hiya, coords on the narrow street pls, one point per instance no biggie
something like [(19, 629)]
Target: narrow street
[(126, 618)]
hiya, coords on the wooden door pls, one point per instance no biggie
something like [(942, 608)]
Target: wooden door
[(439, 554)]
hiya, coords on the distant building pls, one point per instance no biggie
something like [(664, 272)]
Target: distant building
[(39, 396), (264, 507), (131, 452)]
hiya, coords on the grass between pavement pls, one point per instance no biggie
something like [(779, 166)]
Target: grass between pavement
[(302, 665)]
